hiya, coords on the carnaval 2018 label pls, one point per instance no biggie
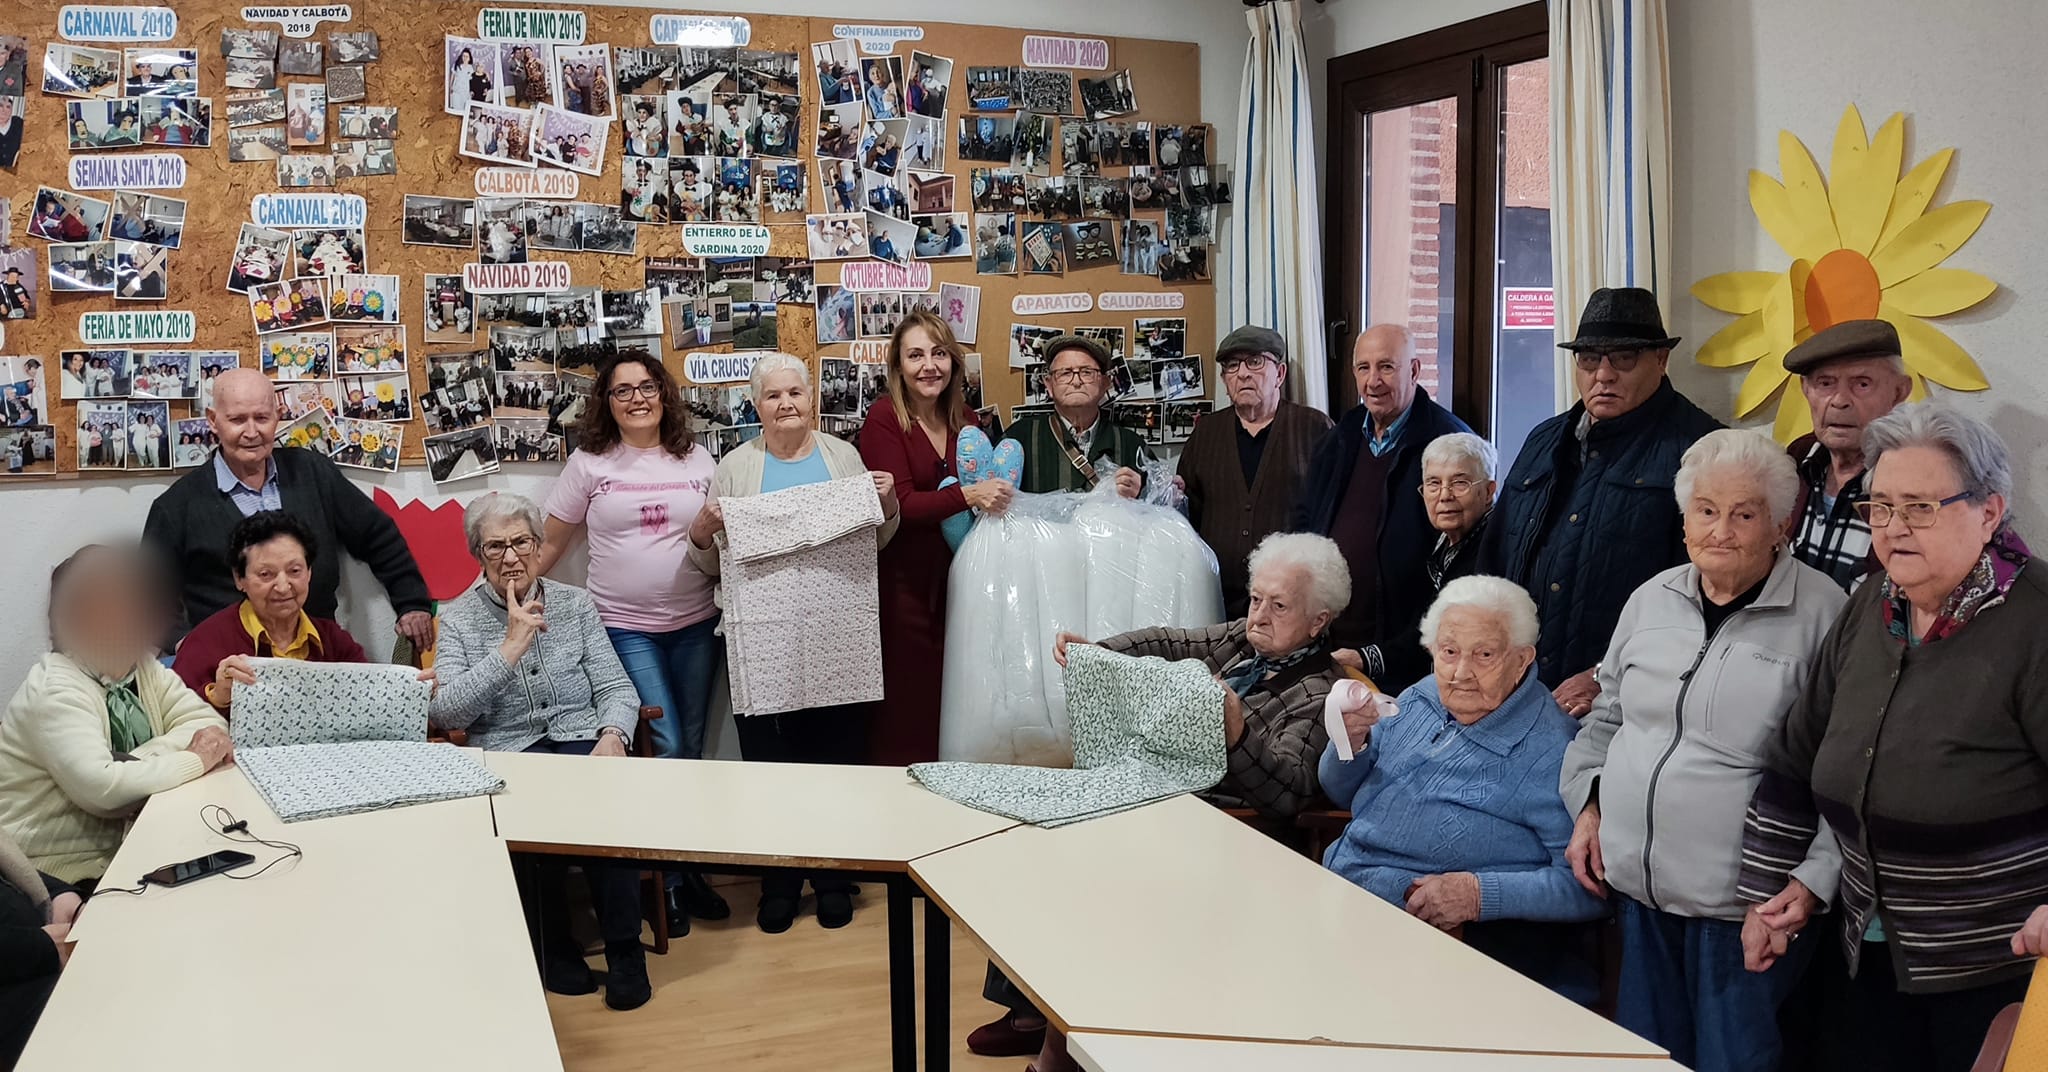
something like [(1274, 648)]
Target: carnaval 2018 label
[(155, 171), (706, 367), (881, 275), (701, 31), (549, 184), (1052, 303), (1125, 301), (299, 21), (308, 210), (528, 24), (94, 22), (149, 326), (542, 276), (725, 239), (1086, 53), (877, 40)]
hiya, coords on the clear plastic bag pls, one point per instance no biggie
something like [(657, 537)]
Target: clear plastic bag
[(1093, 564)]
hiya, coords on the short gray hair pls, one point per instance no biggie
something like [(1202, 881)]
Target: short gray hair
[(1495, 595), (1459, 448), (769, 365), (1329, 577), (1980, 457), (1751, 456), (496, 507)]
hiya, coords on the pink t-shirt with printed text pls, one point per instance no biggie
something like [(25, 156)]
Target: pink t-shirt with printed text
[(637, 505)]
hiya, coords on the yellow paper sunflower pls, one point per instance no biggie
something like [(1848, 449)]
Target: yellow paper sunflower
[(1864, 245)]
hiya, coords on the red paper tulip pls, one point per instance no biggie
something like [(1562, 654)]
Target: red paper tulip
[(438, 545)]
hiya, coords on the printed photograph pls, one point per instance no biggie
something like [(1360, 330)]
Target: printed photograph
[(1142, 246), (839, 130), (569, 139), (884, 193), (308, 397), (241, 73), (366, 121), (837, 314), (837, 66), (450, 309), (29, 451), (63, 216), (688, 114), (924, 142), (790, 281), (242, 44), (929, 78), (80, 71), (440, 221), (960, 307), (988, 137), (305, 114), (781, 191), (645, 119), (93, 374), (525, 439), (303, 355), (369, 445), (585, 80), (19, 281), (645, 69), (141, 272), (95, 124), (149, 218), (366, 348), (353, 47), (1049, 92), (995, 243), (837, 236), (149, 435), (157, 71), (251, 144), (940, 235), (376, 398), (371, 298), (773, 130), (371, 157), (889, 238), (195, 442), (82, 268), (1041, 243), (328, 251), (1090, 244), (295, 56), (309, 431), (498, 135), (1109, 97), (1184, 264), (288, 305), (255, 108), (13, 123), (23, 398), (522, 394), (102, 435), (457, 406), (346, 84), (528, 74), (992, 89), (302, 170), (177, 122), (469, 74), (762, 71), (261, 256)]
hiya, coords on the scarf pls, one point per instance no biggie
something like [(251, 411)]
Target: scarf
[(127, 725), (1985, 587), (1243, 677)]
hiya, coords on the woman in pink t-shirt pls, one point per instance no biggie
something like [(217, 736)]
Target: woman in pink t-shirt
[(635, 482)]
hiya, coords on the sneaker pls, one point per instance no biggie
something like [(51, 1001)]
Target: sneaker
[(777, 914), (625, 975), (835, 909), (567, 975)]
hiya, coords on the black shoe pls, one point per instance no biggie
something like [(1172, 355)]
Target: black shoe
[(699, 898), (776, 914), (566, 975), (835, 909), (678, 913), (625, 975)]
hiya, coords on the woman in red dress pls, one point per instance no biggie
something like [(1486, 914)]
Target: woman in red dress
[(911, 433)]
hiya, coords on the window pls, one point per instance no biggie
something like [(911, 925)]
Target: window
[(1440, 215)]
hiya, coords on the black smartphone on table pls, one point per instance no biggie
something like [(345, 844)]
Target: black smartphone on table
[(194, 870)]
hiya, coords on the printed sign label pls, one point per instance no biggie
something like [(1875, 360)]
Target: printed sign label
[(149, 326), (107, 171), (299, 21), (108, 22), (1052, 303), (288, 211), (1085, 53), (1126, 301), (881, 275), (725, 239), (547, 183), (703, 366), (701, 31), (539, 276), (877, 40), (531, 24)]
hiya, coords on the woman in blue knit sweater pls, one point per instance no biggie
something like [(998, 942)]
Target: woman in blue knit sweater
[(1455, 810)]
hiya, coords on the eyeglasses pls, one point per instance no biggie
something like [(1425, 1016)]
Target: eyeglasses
[(1620, 360), (1249, 362), (1075, 375), (1459, 485), (523, 546), (645, 389), (1917, 515)]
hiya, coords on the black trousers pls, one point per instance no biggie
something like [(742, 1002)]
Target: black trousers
[(830, 735), (1869, 1025), (544, 889), (20, 1005)]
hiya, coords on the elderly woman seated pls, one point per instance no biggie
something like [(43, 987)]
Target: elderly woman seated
[(272, 555), (1454, 803), (525, 665), (99, 725)]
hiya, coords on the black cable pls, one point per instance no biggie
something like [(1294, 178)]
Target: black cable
[(223, 822)]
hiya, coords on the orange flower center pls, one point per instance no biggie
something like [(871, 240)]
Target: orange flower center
[(1843, 287)]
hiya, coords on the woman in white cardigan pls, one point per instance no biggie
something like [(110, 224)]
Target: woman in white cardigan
[(99, 725), (790, 453)]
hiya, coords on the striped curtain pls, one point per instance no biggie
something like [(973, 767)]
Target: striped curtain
[(1610, 159), (1276, 262)]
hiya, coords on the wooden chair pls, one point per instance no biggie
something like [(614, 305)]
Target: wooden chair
[(653, 884), (2018, 1038), (404, 654)]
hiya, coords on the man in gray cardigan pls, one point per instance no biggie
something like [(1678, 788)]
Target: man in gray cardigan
[(525, 665)]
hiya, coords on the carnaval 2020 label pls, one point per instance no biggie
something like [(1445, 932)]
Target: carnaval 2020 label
[(107, 22), (108, 171), (148, 326), (541, 276), (548, 183)]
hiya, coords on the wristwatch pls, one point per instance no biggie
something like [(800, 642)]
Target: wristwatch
[(614, 730)]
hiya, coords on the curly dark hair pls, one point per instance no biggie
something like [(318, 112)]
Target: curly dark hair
[(262, 527), (597, 431)]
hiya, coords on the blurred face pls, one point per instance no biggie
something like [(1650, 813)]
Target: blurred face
[(1728, 529), (275, 579), (784, 401), (924, 364), (244, 416), (1456, 496), (1928, 562), (105, 619), (507, 551), (1477, 665), (1845, 396), (1280, 619), (635, 398), (1077, 382), (1612, 384), (1386, 371), (1253, 380)]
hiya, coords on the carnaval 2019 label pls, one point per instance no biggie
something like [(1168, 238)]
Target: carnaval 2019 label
[(881, 275), (1125, 301), (703, 366), (289, 211), (725, 239), (151, 326), (549, 183), (542, 276), (528, 24), (1086, 53), (95, 22), (299, 21), (1052, 303), (155, 171)]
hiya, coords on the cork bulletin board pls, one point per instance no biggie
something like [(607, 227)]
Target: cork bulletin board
[(408, 75)]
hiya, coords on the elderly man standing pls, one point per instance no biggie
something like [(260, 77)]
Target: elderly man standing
[(1062, 447), (1243, 466), (1587, 513), (1851, 374), (190, 522), (1364, 490)]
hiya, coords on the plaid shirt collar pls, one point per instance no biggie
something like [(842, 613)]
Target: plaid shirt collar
[(1835, 541)]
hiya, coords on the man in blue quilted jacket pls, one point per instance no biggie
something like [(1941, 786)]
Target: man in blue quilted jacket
[(1587, 513)]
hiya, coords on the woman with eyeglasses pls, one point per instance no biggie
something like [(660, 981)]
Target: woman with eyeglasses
[(634, 484), (1922, 739), (1062, 447)]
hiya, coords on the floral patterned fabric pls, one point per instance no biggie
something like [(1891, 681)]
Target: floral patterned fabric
[(2000, 565), (1144, 729)]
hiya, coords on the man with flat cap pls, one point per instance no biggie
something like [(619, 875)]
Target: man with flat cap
[(1588, 514), (1062, 447), (1851, 374), (1243, 465)]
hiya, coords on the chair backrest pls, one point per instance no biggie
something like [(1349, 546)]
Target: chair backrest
[(2018, 1038)]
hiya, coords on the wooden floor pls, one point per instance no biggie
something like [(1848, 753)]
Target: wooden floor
[(731, 997)]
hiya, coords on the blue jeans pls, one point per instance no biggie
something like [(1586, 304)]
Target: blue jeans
[(674, 671), (1683, 987)]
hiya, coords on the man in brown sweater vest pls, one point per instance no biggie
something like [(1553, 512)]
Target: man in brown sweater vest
[(1243, 465)]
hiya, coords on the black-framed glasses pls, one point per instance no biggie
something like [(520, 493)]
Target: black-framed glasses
[(523, 546), (1248, 362), (1917, 515), (645, 389), (1620, 360)]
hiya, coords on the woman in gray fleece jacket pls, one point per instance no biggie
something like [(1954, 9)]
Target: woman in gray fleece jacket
[(1705, 662)]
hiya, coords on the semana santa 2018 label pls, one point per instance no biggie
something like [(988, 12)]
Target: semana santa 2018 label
[(106, 171), (147, 326), (97, 22), (546, 183), (543, 276)]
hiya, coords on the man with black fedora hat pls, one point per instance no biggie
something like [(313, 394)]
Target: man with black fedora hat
[(1851, 374), (1061, 447), (1587, 514), (17, 300)]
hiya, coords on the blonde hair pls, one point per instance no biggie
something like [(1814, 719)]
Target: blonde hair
[(952, 401)]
